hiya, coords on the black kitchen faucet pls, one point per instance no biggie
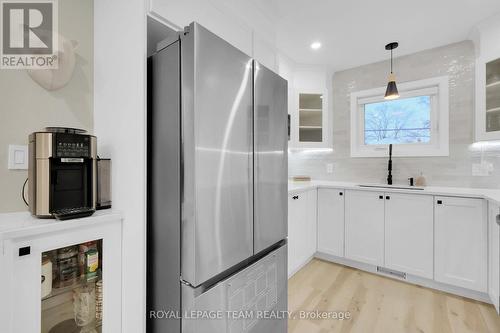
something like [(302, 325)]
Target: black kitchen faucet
[(389, 167)]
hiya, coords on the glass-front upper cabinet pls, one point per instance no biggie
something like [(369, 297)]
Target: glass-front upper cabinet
[(310, 125), (493, 96), (487, 99), (485, 37), (310, 117)]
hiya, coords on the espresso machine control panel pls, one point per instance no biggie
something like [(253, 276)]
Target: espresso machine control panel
[(72, 145)]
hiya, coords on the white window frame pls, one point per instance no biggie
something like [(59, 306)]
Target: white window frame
[(437, 88)]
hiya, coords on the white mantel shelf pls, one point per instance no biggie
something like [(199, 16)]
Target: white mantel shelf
[(482, 193), (22, 224)]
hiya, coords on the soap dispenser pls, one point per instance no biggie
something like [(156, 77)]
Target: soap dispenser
[(420, 181)]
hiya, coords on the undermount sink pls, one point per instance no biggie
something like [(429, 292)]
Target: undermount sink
[(394, 187)]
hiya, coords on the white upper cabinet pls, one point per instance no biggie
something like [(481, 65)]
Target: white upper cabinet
[(409, 245), (309, 111), (240, 23), (311, 119), (331, 221), (364, 226), (460, 231), (488, 99), (264, 52), (486, 38)]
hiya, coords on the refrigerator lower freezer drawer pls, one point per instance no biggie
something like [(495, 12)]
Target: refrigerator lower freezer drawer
[(253, 300)]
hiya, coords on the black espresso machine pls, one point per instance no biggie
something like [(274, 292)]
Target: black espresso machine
[(62, 173)]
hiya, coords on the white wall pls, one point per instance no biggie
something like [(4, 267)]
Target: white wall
[(455, 60), (120, 125), (26, 107), (486, 37)]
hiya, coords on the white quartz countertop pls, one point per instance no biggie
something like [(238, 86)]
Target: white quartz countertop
[(482, 193), (22, 224)]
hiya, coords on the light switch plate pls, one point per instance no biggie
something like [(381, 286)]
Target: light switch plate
[(18, 157)]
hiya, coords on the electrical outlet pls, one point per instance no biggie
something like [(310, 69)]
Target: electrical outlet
[(329, 168), (482, 169)]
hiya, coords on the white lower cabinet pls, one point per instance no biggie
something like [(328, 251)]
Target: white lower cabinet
[(451, 240), (409, 244), (297, 212), (301, 229), (311, 227), (460, 232), (494, 255), (42, 285), (364, 226), (331, 221)]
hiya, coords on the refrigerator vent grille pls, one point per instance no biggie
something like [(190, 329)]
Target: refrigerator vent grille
[(401, 275)]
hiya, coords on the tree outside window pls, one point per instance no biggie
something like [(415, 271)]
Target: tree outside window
[(402, 121)]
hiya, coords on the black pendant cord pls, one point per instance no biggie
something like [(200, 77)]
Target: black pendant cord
[(391, 61), (389, 166), (391, 47)]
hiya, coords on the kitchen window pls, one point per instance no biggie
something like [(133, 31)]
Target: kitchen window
[(416, 124)]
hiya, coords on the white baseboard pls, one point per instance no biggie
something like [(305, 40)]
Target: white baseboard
[(292, 273), (478, 296)]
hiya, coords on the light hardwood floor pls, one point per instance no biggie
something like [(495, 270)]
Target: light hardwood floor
[(380, 304)]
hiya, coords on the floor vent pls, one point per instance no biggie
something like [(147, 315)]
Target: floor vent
[(391, 272)]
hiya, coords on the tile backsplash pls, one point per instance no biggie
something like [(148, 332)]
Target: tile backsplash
[(455, 60)]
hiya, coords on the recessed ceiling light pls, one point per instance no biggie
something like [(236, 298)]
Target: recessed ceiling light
[(315, 45)]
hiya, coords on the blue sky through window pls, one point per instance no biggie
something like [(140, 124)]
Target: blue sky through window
[(405, 120)]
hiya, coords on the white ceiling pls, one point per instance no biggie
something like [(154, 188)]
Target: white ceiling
[(354, 32)]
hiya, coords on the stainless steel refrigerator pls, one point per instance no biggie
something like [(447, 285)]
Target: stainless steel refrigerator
[(217, 189)]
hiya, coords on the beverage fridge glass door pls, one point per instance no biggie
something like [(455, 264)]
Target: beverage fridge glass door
[(270, 140), (217, 155)]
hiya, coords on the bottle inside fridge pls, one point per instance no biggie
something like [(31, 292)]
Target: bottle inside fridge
[(72, 289)]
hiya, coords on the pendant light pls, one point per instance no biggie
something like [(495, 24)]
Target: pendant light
[(392, 89)]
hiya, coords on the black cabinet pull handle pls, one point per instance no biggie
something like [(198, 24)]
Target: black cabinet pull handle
[(388, 198), (24, 251), (440, 202), (381, 197), (341, 194), (295, 197)]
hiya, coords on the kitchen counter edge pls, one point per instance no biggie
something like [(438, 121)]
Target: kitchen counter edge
[(491, 195)]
